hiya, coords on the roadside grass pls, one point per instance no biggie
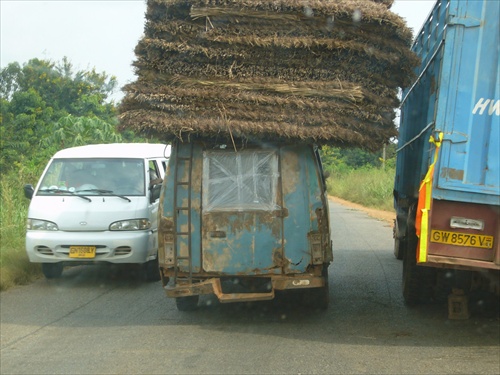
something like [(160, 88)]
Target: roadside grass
[(368, 186), (15, 268)]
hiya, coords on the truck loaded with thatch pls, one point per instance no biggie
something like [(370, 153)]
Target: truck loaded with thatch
[(316, 71), (278, 76)]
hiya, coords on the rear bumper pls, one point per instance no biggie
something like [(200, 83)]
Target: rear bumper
[(213, 286), (459, 263)]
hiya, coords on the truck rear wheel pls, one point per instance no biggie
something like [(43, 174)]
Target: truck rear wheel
[(399, 244), (319, 298), (52, 270), (324, 292), (417, 280), (189, 303)]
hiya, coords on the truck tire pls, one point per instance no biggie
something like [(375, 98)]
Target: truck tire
[(417, 280), (52, 270), (189, 303), (319, 298), (399, 244), (323, 293)]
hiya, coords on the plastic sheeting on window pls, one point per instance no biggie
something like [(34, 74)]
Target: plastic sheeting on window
[(246, 180)]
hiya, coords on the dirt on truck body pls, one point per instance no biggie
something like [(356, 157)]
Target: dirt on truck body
[(241, 224)]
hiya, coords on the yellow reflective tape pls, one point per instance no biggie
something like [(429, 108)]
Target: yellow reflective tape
[(422, 254), (426, 196)]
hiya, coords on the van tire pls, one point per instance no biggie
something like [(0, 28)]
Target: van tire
[(52, 270), (152, 270), (189, 303)]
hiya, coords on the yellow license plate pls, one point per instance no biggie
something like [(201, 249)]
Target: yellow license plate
[(82, 252), (462, 239)]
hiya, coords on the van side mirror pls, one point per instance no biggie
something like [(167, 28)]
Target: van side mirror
[(28, 191), (155, 192)]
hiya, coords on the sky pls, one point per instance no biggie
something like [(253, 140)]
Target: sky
[(101, 34)]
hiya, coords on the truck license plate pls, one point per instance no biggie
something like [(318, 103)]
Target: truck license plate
[(82, 252), (462, 239)]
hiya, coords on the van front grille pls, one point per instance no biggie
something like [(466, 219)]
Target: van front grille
[(123, 250), (44, 250)]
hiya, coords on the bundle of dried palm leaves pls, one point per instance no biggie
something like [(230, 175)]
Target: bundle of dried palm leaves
[(322, 71)]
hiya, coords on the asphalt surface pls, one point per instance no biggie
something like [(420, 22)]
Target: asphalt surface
[(98, 320)]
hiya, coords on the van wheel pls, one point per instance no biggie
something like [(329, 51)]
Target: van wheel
[(52, 270), (152, 270), (189, 303)]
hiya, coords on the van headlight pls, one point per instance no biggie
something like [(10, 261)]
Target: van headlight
[(36, 224), (135, 224)]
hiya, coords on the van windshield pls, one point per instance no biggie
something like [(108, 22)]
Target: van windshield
[(94, 177)]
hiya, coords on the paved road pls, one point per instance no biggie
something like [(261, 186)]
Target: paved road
[(93, 321)]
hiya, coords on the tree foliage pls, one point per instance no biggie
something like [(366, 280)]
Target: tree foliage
[(46, 106)]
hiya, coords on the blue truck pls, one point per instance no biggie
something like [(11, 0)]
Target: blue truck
[(447, 183), (243, 221)]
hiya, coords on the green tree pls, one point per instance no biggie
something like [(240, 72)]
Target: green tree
[(24, 123), (80, 93), (337, 158), (44, 103), (73, 131)]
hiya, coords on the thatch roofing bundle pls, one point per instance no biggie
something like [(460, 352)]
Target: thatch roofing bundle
[(322, 71)]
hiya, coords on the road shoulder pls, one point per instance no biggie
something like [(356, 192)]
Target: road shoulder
[(387, 216)]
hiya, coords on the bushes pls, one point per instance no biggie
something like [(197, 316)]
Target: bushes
[(368, 186), (15, 267), (361, 177)]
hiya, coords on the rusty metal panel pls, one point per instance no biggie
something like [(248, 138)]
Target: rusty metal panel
[(241, 232), (303, 197), (168, 207), (284, 234)]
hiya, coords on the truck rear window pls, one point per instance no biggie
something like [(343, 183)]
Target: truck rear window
[(241, 181)]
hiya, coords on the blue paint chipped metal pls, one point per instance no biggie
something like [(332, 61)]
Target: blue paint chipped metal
[(257, 217)]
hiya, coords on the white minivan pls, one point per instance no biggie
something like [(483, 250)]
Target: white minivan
[(97, 203)]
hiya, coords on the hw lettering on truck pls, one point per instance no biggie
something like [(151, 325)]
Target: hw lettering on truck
[(491, 106), (462, 239)]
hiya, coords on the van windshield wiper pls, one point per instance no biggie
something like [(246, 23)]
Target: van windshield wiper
[(65, 192), (106, 192)]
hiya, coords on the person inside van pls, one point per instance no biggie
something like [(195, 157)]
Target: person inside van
[(128, 179), (153, 178), (83, 179)]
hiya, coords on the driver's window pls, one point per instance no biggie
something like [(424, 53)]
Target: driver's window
[(154, 173), (131, 178)]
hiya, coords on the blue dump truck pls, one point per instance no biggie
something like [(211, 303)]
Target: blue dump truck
[(244, 223), (447, 184)]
